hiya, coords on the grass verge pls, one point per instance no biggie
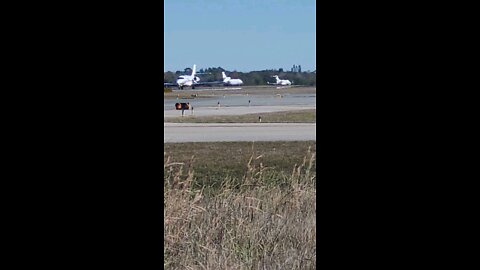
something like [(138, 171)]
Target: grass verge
[(215, 161), (249, 221), (300, 116)]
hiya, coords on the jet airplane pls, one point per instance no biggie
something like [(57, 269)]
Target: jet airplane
[(229, 81), (188, 80), (280, 82)]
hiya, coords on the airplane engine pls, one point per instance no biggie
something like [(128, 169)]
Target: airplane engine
[(197, 79)]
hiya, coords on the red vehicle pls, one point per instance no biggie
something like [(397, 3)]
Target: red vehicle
[(182, 106)]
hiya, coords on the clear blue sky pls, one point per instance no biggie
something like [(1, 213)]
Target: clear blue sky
[(239, 35)]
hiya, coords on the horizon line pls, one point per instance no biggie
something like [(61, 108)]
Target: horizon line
[(273, 69)]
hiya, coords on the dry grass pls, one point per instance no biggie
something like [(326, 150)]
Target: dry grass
[(250, 90), (215, 161), (299, 116), (249, 224)]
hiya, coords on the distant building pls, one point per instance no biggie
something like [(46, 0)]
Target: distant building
[(296, 68)]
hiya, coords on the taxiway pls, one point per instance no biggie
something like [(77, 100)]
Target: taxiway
[(224, 132)]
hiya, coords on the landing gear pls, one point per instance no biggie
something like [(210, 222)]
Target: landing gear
[(193, 87), (180, 87)]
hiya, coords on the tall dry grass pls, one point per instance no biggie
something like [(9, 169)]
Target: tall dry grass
[(248, 224)]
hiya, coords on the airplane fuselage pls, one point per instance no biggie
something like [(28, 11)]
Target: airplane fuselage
[(234, 82), (285, 82), (282, 82), (230, 81), (187, 80)]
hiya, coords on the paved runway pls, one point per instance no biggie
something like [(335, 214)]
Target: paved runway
[(197, 132)]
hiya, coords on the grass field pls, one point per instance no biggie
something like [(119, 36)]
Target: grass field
[(183, 96), (300, 116), (213, 162), (250, 90), (240, 206)]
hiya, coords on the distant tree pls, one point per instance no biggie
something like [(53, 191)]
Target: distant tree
[(252, 77), (168, 76)]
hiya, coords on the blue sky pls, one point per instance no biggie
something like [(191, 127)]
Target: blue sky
[(239, 35)]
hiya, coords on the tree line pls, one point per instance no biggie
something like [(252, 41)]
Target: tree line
[(248, 78)]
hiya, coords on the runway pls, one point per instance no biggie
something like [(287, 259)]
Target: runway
[(225, 132)]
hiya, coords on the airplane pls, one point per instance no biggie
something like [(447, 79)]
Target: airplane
[(188, 80), (280, 82), (230, 81)]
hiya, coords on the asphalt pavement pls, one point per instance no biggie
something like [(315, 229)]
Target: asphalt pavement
[(218, 132)]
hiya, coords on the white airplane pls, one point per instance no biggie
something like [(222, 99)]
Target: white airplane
[(280, 82), (187, 80), (230, 81)]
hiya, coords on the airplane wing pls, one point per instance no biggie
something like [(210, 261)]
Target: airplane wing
[(208, 83)]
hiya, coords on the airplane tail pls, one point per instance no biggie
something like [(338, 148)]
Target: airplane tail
[(194, 70), (223, 75), (276, 78)]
